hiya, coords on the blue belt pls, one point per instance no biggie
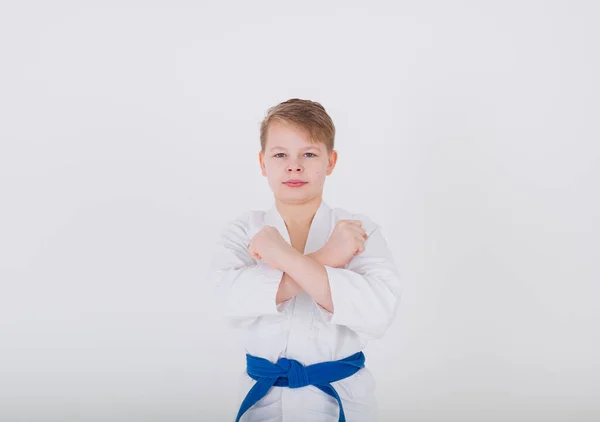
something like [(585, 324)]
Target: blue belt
[(291, 373)]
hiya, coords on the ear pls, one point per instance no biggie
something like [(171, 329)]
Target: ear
[(261, 161), (332, 159)]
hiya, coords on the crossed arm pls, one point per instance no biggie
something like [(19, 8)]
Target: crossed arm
[(363, 295), (308, 273)]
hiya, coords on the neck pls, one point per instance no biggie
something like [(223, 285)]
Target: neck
[(298, 214)]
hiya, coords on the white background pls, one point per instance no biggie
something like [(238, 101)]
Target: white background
[(129, 134)]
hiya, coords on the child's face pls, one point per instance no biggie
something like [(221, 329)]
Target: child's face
[(289, 155)]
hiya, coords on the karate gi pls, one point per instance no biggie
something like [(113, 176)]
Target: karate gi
[(365, 295)]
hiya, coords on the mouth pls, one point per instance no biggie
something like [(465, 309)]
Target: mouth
[(295, 183)]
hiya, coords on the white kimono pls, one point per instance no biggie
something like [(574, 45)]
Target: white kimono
[(365, 295)]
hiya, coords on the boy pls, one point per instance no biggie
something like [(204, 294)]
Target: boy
[(308, 285)]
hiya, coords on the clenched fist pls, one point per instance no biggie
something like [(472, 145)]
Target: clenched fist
[(270, 246), (346, 241)]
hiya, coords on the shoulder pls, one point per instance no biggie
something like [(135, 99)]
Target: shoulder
[(369, 224), (244, 223)]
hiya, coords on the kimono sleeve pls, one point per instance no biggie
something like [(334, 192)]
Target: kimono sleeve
[(245, 287), (366, 292)]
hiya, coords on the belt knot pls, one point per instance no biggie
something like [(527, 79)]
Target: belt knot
[(295, 372)]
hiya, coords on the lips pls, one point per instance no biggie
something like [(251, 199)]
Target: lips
[(295, 183)]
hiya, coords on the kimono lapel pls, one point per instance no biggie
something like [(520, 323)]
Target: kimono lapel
[(318, 233)]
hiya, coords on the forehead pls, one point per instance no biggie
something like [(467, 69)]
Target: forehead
[(284, 135)]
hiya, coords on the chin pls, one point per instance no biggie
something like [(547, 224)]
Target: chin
[(299, 197)]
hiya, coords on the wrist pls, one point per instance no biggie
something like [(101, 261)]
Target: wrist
[(319, 256)]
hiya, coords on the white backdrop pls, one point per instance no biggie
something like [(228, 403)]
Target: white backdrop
[(129, 135)]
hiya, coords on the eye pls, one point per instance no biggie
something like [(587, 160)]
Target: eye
[(281, 153)]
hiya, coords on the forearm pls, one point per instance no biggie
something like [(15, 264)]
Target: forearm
[(309, 274), (288, 288)]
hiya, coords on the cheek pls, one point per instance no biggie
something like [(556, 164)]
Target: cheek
[(272, 167), (319, 172), (274, 164)]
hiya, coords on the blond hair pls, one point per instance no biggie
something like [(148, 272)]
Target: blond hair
[(308, 116)]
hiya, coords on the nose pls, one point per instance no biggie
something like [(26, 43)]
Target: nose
[(294, 168)]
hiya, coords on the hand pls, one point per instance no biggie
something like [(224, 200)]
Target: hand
[(270, 246), (346, 241)]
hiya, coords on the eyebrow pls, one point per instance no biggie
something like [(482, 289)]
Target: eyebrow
[(309, 147)]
